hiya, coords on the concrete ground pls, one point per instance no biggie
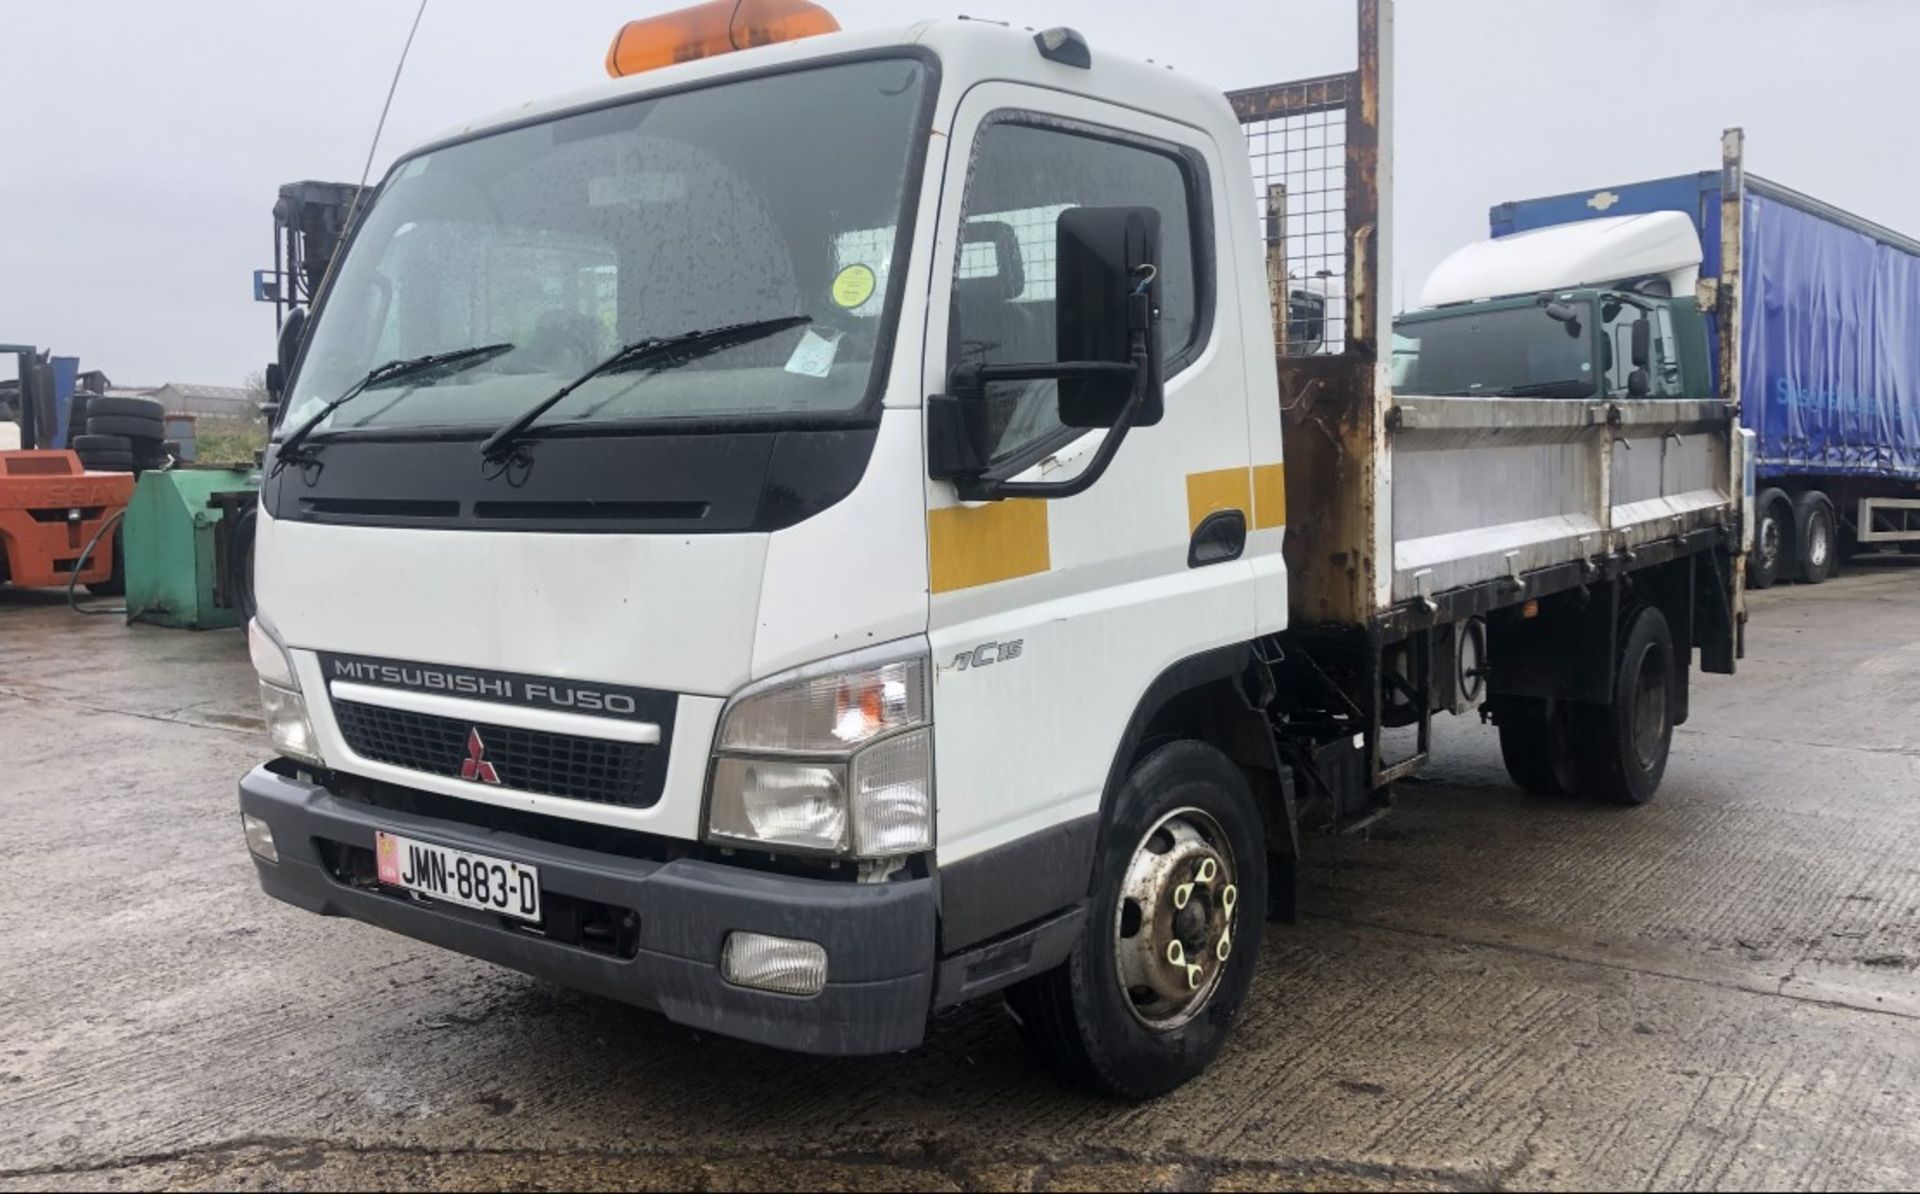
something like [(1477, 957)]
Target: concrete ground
[(1721, 989)]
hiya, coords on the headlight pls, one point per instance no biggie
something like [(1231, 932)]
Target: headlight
[(269, 657), (281, 704), (781, 802), (836, 758)]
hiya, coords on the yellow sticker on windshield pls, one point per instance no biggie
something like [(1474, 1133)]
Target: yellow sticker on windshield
[(853, 286)]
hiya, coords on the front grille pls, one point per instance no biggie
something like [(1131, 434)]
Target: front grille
[(577, 768)]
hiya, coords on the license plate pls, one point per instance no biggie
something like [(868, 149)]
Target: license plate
[(470, 880)]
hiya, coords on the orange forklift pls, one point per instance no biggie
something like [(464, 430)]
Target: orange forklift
[(51, 507)]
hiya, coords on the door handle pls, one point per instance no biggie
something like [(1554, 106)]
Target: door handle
[(1220, 537)]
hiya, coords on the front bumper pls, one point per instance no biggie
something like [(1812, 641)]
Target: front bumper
[(879, 938)]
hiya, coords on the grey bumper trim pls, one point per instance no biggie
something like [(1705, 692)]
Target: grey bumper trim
[(879, 938)]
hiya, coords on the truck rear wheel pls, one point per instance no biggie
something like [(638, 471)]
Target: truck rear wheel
[(1814, 537), (1772, 538), (1536, 744), (1151, 990), (1621, 747)]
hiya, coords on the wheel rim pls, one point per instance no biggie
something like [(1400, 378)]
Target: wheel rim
[(1819, 542), (1769, 540), (1650, 708), (1173, 928)]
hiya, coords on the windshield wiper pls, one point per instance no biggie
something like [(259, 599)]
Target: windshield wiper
[(679, 349), (391, 371)]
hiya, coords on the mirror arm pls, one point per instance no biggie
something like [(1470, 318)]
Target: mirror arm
[(985, 489), (971, 380)]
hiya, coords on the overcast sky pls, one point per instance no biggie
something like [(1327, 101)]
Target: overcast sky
[(145, 140)]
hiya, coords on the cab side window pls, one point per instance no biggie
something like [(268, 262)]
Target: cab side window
[(1023, 177)]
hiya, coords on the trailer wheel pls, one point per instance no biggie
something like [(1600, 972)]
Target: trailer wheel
[(1621, 747), (1772, 538), (1536, 744), (1814, 537), (1150, 992)]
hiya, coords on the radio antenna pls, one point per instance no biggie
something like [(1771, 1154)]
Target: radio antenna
[(366, 171)]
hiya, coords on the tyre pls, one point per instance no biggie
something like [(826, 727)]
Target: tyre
[(116, 584), (1815, 537), (1151, 990), (1772, 539), (1621, 747), (132, 408), (240, 565), (94, 445), (107, 462), (127, 425), (1536, 744)]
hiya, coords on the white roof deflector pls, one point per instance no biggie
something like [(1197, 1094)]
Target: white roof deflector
[(1585, 253)]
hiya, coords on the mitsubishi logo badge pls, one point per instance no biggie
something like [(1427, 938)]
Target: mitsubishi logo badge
[(475, 766)]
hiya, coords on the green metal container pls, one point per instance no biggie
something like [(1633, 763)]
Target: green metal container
[(175, 544)]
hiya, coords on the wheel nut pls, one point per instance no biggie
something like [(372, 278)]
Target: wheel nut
[(1182, 894), (1208, 869)]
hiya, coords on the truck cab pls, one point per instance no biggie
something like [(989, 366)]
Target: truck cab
[(1597, 311), (746, 682)]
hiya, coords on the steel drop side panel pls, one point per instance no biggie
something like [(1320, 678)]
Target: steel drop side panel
[(1492, 489), (1830, 319)]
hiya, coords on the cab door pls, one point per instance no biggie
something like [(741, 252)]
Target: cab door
[(1050, 619)]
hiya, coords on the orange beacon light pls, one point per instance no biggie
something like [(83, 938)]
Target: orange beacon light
[(716, 27)]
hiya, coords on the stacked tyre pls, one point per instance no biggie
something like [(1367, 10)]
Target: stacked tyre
[(124, 435)]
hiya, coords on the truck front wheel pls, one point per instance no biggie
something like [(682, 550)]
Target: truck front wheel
[(1621, 746), (1150, 993)]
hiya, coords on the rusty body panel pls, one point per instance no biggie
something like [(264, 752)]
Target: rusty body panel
[(1332, 397), (1727, 298)]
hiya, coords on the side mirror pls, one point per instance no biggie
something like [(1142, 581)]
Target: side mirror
[(1107, 340), (1107, 295), (276, 383), (293, 330), (1637, 384), (1642, 343)]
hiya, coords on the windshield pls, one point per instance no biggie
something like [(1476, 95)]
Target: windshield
[(747, 201), (1510, 351)]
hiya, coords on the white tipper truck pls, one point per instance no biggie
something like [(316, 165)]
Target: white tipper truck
[(827, 526)]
